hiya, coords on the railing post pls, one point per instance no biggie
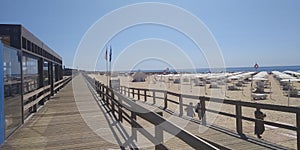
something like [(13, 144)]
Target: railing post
[(203, 110), (102, 92), (238, 115), (166, 100), (159, 134), (34, 107), (133, 93), (180, 105), (138, 94), (128, 89), (112, 100), (145, 95), (106, 96), (133, 126), (96, 87), (154, 100), (298, 129), (100, 88), (120, 112)]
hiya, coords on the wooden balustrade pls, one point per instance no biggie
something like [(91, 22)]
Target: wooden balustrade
[(41, 94), (239, 105), (127, 110)]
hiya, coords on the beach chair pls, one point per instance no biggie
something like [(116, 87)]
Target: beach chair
[(177, 81), (239, 84), (232, 88), (213, 85), (256, 96), (294, 92), (198, 83)]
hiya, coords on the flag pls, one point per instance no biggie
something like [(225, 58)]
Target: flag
[(110, 54), (256, 66), (105, 55)]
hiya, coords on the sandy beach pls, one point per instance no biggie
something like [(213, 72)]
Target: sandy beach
[(275, 95)]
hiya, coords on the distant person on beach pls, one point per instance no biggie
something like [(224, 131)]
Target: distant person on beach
[(190, 110), (259, 124), (198, 110)]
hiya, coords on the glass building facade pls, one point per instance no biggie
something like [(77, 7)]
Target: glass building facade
[(12, 89), (46, 73), (30, 73), (27, 64)]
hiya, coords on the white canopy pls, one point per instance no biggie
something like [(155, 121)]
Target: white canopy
[(290, 80), (258, 79)]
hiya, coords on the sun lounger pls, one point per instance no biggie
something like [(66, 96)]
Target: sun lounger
[(177, 81), (256, 96), (232, 87), (213, 85)]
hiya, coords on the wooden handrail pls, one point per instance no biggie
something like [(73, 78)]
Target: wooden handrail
[(44, 91), (123, 103), (237, 104)]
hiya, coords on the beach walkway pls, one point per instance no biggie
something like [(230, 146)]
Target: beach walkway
[(76, 119), (58, 125)]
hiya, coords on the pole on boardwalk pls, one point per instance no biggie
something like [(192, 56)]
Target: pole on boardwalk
[(289, 91), (105, 57), (110, 57)]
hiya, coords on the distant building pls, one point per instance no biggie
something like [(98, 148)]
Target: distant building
[(27, 64)]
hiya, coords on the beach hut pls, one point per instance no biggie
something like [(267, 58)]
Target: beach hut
[(139, 77)]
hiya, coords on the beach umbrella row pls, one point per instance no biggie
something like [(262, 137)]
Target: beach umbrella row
[(262, 74), (290, 80), (281, 76), (241, 76), (292, 73)]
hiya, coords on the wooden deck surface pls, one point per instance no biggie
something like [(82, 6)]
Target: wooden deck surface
[(58, 125), (61, 124)]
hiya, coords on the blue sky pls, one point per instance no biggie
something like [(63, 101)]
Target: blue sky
[(248, 31)]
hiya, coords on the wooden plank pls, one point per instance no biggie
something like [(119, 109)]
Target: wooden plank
[(57, 125)]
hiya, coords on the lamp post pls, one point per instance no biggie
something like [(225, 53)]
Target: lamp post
[(289, 91)]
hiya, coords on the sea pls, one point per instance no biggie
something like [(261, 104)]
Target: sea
[(232, 69)]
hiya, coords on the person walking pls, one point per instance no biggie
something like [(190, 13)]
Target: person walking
[(190, 110), (259, 124), (198, 110)]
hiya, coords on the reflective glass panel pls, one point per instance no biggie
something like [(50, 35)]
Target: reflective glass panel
[(12, 89)]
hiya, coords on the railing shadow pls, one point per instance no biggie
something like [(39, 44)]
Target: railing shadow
[(129, 139)]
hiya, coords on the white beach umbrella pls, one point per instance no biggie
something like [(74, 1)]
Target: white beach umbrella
[(234, 77), (290, 80), (259, 79)]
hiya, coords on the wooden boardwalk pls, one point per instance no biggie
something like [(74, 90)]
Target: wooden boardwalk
[(58, 125), (75, 120)]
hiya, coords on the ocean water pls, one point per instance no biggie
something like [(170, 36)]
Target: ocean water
[(267, 69), (234, 69)]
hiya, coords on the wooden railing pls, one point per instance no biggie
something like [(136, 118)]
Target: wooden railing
[(127, 110), (239, 105), (41, 94)]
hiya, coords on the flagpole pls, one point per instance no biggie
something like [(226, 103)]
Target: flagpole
[(106, 73), (110, 57), (105, 57)]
